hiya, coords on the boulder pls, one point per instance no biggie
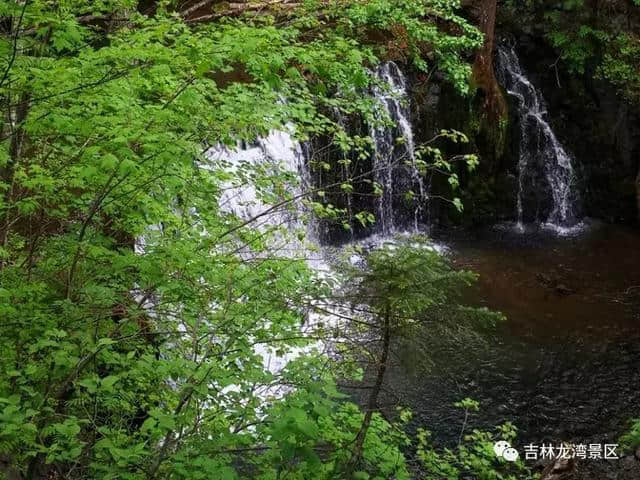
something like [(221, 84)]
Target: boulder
[(560, 469)]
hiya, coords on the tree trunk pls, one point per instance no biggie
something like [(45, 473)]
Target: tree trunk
[(494, 106), (372, 403), (16, 119)]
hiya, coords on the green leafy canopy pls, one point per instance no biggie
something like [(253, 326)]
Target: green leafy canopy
[(132, 305)]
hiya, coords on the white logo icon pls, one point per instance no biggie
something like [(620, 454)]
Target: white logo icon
[(503, 449)]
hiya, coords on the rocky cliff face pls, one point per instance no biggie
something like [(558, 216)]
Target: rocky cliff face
[(600, 130), (489, 193)]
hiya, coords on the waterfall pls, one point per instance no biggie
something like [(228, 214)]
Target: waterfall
[(544, 166), (393, 165), (394, 162), (277, 154)]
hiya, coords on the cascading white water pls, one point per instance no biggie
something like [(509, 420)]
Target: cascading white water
[(394, 168), (393, 160), (277, 154), (539, 147)]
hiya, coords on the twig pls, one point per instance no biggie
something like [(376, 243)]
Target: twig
[(554, 65)]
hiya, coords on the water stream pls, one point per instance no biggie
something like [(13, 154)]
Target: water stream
[(545, 168), (280, 154), (394, 163)]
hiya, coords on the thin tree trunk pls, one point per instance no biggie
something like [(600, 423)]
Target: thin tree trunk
[(372, 403), (7, 173)]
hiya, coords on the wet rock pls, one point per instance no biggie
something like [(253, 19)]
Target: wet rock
[(561, 469), (562, 289), (544, 279), (629, 468), (637, 453)]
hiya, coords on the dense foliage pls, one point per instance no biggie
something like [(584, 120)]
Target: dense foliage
[(139, 314), (134, 308), (598, 39)]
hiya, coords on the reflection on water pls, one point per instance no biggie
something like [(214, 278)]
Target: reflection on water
[(566, 364)]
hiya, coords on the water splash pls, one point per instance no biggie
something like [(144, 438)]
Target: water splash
[(279, 153), (538, 146)]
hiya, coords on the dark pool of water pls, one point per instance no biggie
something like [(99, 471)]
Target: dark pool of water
[(565, 366)]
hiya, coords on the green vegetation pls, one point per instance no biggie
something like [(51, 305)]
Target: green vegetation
[(135, 309), (631, 439), (142, 363), (473, 457), (599, 39), (399, 292)]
